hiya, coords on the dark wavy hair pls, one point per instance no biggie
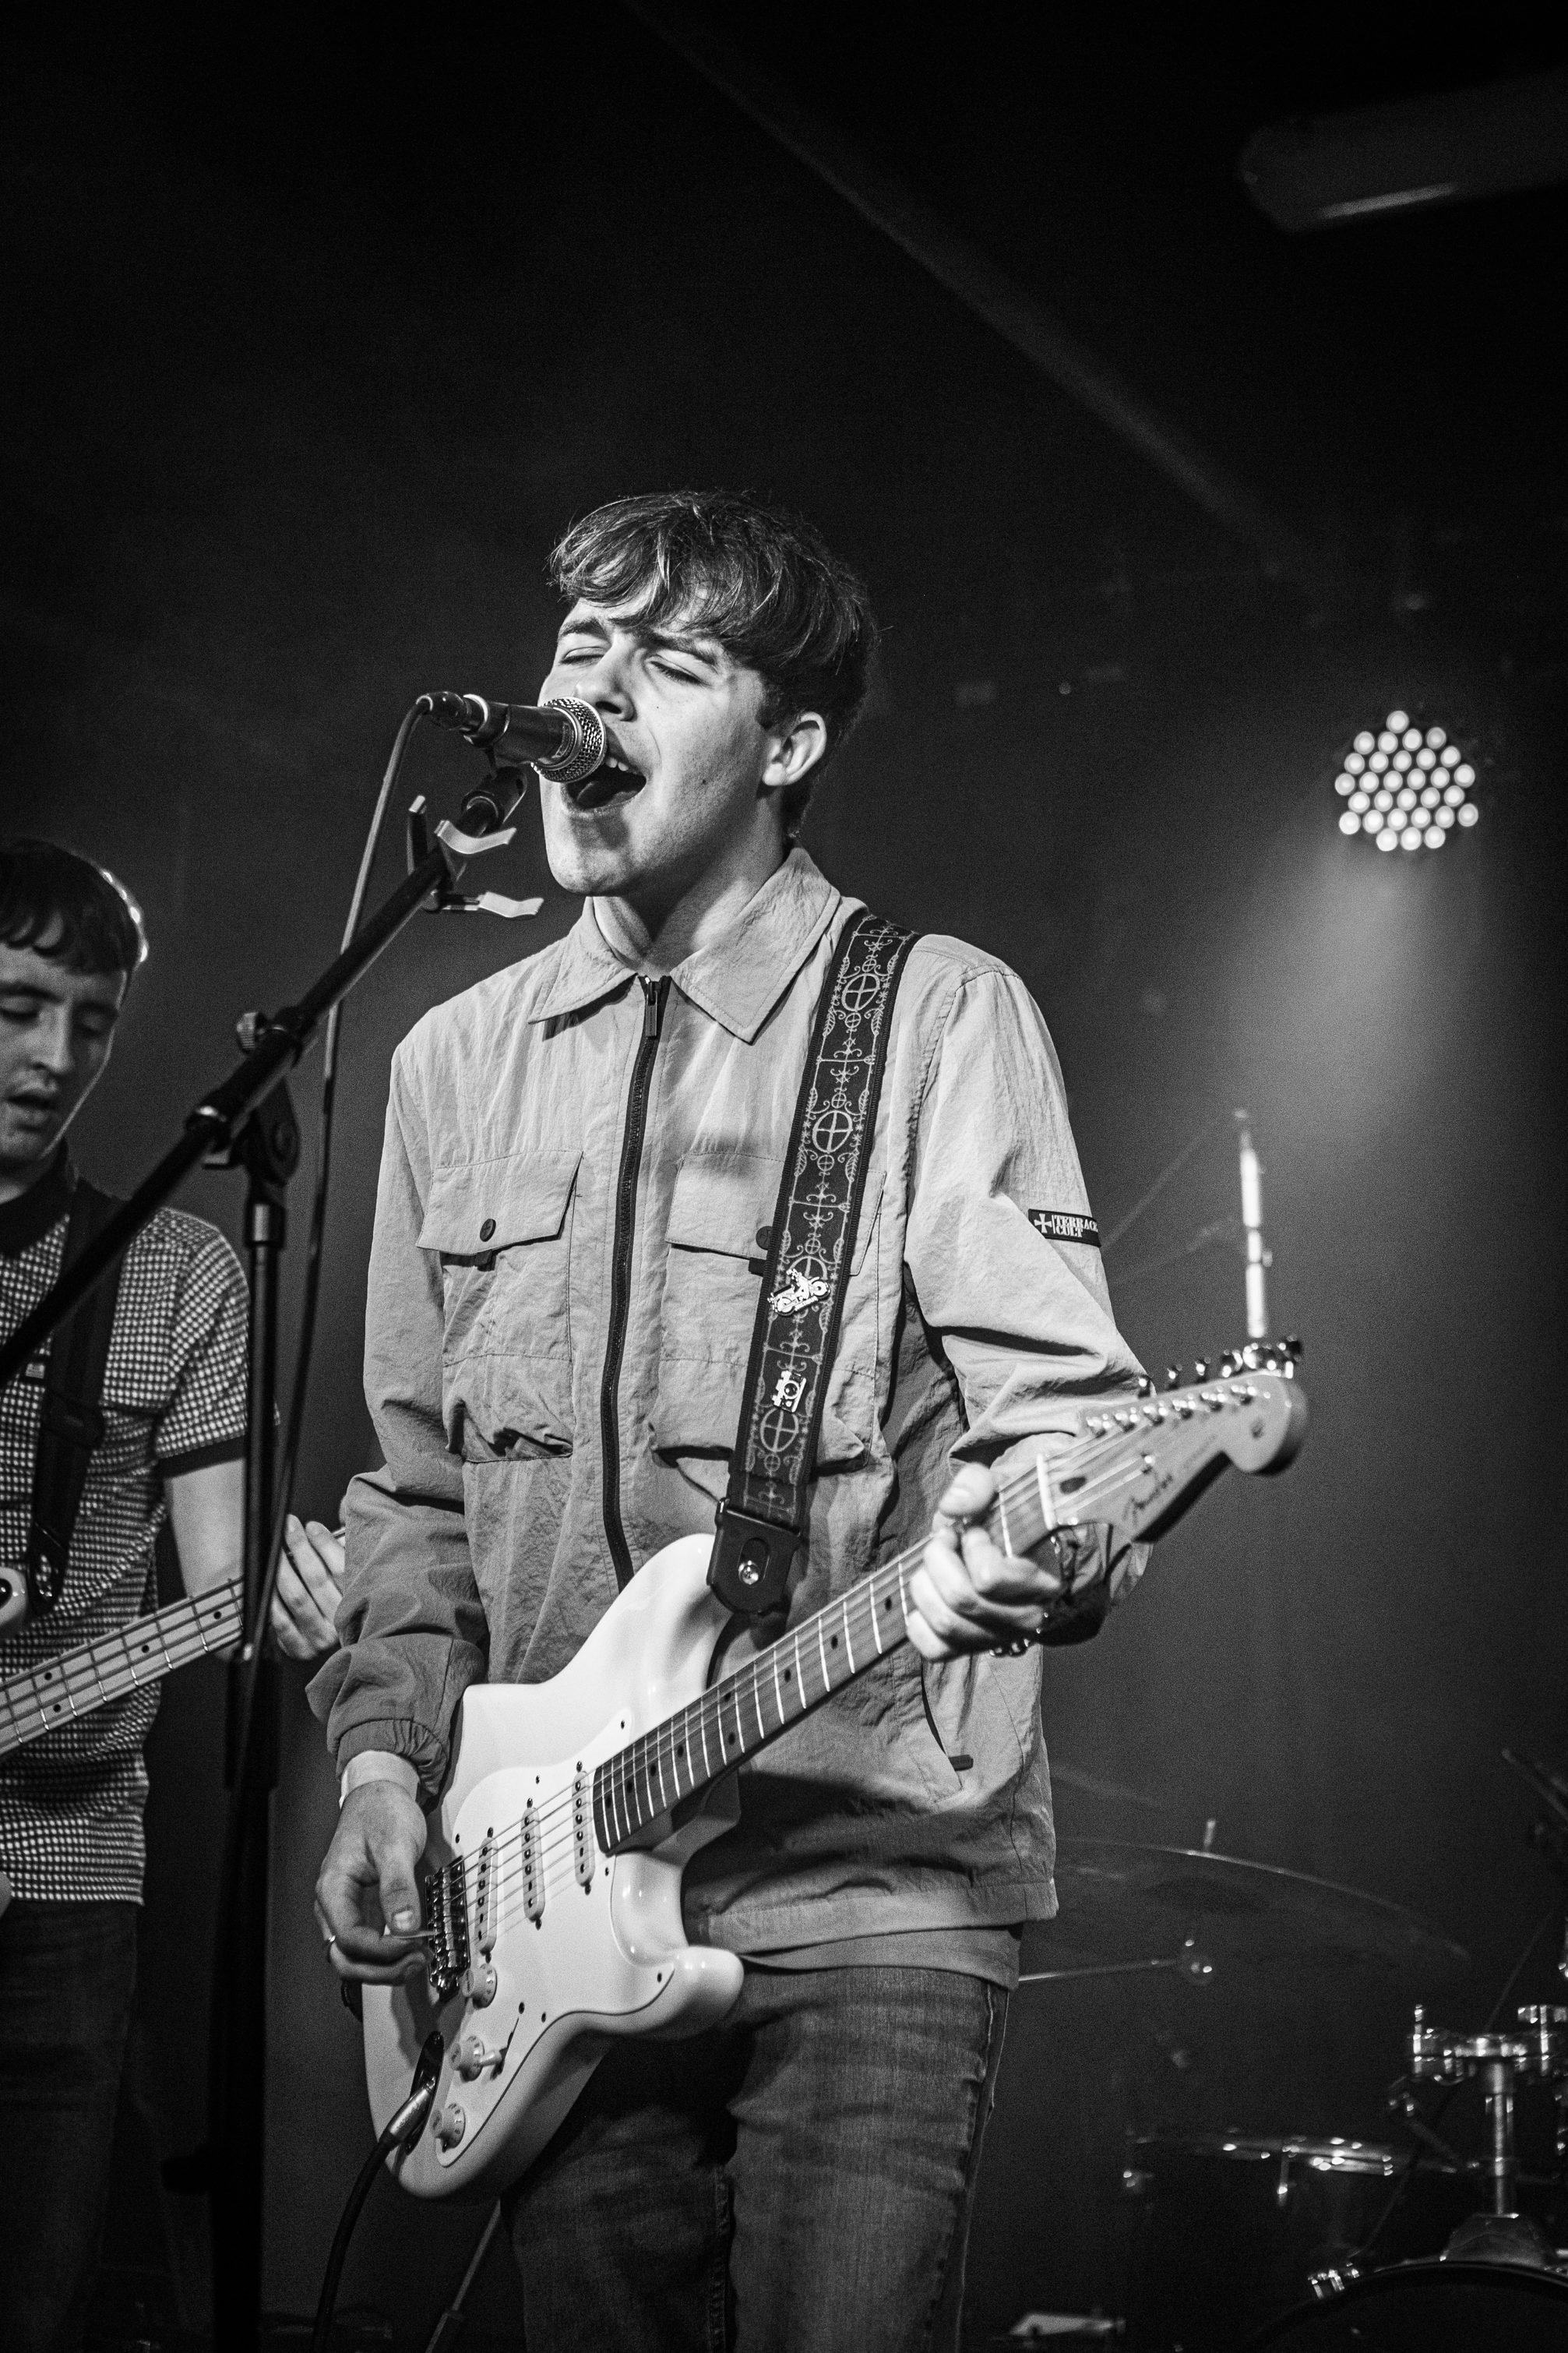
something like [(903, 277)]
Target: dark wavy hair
[(762, 582), (73, 913)]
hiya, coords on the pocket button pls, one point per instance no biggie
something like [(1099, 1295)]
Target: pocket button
[(487, 1230)]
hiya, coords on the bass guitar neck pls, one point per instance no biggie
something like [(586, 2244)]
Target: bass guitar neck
[(78, 1682)]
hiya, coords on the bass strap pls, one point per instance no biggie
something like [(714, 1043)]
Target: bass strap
[(70, 1421), (806, 1271)]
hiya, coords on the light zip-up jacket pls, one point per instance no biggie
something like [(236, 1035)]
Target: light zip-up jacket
[(563, 1286)]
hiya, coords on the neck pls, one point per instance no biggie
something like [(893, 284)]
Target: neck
[(16, 1180), (659, 928)]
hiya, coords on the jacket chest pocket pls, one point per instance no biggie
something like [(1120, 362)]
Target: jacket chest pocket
[(720, 1211), (502, 1228)]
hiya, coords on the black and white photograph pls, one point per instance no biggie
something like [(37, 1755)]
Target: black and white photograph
[(782, 1219)]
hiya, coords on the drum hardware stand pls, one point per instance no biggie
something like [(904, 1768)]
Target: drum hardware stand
[(1538, 2051)]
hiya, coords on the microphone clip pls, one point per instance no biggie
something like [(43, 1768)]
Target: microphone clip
[(447, 899)]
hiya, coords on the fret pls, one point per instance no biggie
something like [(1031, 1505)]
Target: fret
[(683, 1748), (778, 1691), (848, 1642), (702, 1728), (822, 1653), (757, 1705), (1044, 1478), (1002, 1515)]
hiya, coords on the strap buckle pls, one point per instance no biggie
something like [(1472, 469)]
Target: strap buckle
[(750, 1564)]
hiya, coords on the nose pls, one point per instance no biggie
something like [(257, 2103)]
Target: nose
[(54, 1043), (606, 684)]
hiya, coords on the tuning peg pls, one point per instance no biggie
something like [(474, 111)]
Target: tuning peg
[(1200, 1368), (1173, 1377), (1229, 1364), (1146, 1386)]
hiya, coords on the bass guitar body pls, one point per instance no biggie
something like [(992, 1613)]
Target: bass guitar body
[(566, 1948)]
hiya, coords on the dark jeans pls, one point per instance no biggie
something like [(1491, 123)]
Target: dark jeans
[(66, 1975), (796, 2180)]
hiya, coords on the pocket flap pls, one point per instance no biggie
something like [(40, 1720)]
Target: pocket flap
[(480, 1206), (721, 1199)]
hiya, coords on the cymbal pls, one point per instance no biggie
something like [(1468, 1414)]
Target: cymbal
[(1123, 1903)]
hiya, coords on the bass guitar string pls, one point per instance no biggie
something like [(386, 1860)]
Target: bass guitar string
[(32, 1715)]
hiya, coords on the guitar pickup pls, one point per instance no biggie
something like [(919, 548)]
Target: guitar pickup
[(485, 1898), (583, 1828), (532, 1874)]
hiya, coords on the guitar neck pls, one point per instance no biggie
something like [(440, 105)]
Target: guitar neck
[(79, 1681), (1135, 1463), (752, 1706)]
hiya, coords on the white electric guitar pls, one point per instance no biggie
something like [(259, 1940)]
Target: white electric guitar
[(552, 1913)]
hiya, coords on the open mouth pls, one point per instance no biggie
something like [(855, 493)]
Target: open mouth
[(615, 779)]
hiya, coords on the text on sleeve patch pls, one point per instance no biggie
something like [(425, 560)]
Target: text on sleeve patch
[(1064, 1226)]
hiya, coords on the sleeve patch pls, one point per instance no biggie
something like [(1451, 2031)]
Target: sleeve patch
[(1064, 1226)]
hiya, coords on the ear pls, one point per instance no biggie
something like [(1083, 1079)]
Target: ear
[(793, 749)]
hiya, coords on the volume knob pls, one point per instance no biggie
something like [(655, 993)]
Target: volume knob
[(450, 2124), (472, 2056), (480, 1983)]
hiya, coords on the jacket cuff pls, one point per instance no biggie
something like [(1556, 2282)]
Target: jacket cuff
[(411, 1743), (378, 1765)]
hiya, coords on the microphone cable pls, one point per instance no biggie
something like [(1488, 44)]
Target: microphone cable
[(406, 2126)]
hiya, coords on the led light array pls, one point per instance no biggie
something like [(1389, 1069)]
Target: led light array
[(1407, 786)]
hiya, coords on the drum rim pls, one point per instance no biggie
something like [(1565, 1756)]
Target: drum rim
[(1324, 2153), (1551, 2287)]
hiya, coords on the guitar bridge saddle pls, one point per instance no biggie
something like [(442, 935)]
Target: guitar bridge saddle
[(447, 1910), (582, 1828)]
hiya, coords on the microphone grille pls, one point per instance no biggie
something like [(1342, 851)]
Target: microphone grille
[(583, 753)]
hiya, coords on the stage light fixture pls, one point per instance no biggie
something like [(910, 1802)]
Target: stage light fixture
[(1403, 786)]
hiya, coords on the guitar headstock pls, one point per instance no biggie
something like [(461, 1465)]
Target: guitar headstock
[(1141, 1461)]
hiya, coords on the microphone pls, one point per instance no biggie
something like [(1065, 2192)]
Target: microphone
[(563, 740)]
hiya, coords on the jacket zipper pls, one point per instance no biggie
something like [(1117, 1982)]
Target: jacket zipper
[(654, 995)]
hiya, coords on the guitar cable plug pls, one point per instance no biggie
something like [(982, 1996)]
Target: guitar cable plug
[(404, 2127)]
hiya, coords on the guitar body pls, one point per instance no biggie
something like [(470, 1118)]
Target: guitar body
[(606, 1954)]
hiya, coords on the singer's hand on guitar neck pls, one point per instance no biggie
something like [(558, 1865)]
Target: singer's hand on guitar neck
[(367, 1895), (967, 1593)]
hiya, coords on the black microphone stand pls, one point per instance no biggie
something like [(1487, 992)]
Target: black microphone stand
[(267, 1147), (247, 1121)]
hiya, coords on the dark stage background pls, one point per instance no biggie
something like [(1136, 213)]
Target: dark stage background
[(311, 353)]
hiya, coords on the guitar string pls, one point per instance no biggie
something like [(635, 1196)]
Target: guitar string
[(857, 1615), (76, 1669), (626, 1766), (121, 1653), (71, 1681)]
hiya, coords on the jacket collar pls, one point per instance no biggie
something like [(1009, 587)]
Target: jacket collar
[(737, 979)]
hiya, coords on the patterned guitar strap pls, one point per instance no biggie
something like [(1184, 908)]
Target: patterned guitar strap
[(763, 1515)]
